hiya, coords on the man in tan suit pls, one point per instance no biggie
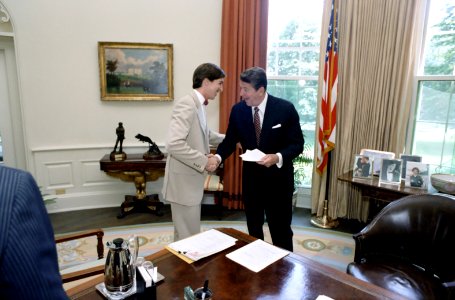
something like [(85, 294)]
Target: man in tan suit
[(187, 145)]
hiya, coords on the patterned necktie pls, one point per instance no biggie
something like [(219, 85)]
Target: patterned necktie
[(257, 124)]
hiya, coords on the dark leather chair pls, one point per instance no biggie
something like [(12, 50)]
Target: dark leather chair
[(409, 248)]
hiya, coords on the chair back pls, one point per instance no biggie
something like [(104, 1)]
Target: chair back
[(417, 229)]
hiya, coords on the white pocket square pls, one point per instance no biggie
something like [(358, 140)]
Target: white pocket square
[(276, 126)]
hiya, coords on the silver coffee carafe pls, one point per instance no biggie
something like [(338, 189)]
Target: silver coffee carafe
[(119, 271)]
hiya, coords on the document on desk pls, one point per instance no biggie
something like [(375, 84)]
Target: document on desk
[(257, 255), (252, 155), (201, 245)]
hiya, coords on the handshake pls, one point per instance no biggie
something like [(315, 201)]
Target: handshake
[(212, 163)]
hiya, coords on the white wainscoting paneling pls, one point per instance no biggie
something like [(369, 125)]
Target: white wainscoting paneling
[(73, 175)]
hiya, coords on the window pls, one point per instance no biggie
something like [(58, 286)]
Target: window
[(433, 126), (293, 62)]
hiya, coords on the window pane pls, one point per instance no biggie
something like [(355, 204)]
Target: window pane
[(448, 153), (435, 101), (434, 132), (440, 41), (294, 32), (434, 128), (303, 94), (293, 37), (288, 63)]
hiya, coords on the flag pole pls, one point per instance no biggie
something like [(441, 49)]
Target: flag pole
[(327, 131), (325, 221)]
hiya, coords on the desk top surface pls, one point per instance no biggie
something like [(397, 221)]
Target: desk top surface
[(293, 277)]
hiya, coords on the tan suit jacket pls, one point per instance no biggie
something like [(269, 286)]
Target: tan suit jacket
[(187, 146)]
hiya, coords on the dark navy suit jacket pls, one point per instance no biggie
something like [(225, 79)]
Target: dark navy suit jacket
[(28, 257), (280, 132)]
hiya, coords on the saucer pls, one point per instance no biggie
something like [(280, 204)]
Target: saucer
[(102, 289)]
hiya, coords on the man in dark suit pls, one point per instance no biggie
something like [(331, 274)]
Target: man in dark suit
[(28, 257), (268, 184)]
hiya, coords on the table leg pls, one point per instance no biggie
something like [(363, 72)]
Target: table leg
[(141, 202), (150, 204)]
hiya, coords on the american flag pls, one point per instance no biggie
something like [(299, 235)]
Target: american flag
[(327, 118)]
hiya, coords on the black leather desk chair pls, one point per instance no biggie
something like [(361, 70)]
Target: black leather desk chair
[(409, 248)]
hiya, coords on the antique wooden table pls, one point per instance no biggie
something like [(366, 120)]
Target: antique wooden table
[(377, 193), (292, 277), (138, 170)]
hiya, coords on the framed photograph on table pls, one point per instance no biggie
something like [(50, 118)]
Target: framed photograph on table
[(390, 171), (136, 71), (377, 156), (417, 175), (363, 167), (405, 158)]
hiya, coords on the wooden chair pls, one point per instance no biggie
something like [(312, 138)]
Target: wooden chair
[(99, 233), (214, 185)]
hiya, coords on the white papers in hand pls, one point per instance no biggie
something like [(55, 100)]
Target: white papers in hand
[(252, 155), (257, 255), (203, 244)]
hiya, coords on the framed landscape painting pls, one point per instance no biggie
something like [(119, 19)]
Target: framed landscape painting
[(136, 71)]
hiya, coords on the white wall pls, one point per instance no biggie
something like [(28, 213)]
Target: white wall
[(67, 127)]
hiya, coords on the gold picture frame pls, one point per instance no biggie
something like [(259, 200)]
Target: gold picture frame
[(136, 71)]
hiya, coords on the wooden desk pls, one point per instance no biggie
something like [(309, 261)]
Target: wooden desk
[(138, 170), (379, 194), (293, 277)]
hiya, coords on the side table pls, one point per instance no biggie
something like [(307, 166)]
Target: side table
[(138, 170), (379, 194)]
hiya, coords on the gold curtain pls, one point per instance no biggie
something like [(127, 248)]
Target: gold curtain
[(378, 43), (243, 45)]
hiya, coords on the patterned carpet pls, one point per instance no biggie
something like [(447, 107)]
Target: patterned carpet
[(332, 248)]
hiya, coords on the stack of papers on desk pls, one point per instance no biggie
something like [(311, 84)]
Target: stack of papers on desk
[(257, 255), (201, 245)]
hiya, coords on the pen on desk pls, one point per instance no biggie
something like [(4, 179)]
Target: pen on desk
[(206, 286)]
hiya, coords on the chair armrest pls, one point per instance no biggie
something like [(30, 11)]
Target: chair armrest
[(99, 233), (82, 274)]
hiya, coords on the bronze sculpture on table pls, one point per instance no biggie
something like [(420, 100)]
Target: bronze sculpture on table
[(153, 152), (119, 155)]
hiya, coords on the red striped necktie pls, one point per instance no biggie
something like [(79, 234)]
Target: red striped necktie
[(257, 124)]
